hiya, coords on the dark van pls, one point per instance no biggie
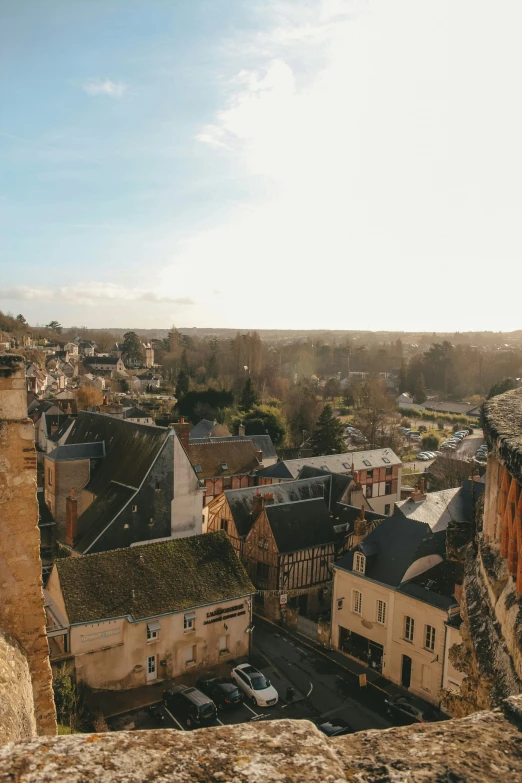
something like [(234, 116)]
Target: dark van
[(191, 707)]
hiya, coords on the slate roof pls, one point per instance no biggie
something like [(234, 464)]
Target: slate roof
[(300, 525), (337, 463), (135, 413), (347, 515), (53, 420), (458, 408), (130, 448), (77, 451), (435, 586), (278, 471), (172, 576), (339, 482), (442, 507), (241, 501), (62, 429), (102, 511), (206, 428), (238, 456)]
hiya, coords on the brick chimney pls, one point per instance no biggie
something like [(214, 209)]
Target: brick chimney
[(359, 528), (418, 495), (241, 430), (71, 519), (258, 503), (182, 428), (259, 455)]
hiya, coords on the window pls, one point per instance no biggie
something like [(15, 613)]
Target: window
[(224, 466), (262, 571), (152, 631), (190, 655), (369, 474), (359, 562), (135, 508), (409, 628), (224, 525), (369, 490), (157, 486), (223, 644), (357, 602), (385, 459), (189, 622), (430, 638), (227, 482), (381, 612), (347, 465), (262, 543), (389, 471), (367, 462), (388, 488), (324, 467), (387, 508), (197, 468), (49, 477)]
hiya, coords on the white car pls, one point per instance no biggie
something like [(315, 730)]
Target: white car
[(255, 685), (422, 455)]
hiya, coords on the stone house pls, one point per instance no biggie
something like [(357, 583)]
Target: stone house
[(377, 471), (157, 611), (114, 483), (104, 364), (394, 604)]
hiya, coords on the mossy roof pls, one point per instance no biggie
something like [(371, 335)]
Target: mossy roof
[(153, 579)]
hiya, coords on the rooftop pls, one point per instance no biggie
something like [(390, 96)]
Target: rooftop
[(336, 463), (77, 451), (301, 525), (153, 579), (223, 457)]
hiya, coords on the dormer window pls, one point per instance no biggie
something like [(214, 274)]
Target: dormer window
[(359, 562)]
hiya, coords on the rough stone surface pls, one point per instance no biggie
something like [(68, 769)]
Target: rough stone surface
[(486, 746), (17, 719), (502, 422), (21, 599)]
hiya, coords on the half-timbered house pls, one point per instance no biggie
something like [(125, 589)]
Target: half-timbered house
[(223, 464)]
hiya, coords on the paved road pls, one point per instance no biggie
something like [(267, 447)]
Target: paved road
[(467, 448), (328, 688)]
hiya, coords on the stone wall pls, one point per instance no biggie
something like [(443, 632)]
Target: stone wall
[(482, 748), (21, 605), (17, 719)]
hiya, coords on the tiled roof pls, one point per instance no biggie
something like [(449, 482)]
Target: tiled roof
[(94, 360), (300, 525), (206, 428), (153, 579), (239, 457), (261, 442)]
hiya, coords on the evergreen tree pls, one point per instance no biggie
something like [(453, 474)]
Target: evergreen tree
[(249, 396), (403, 379), (327, 437), (182, 384), (419, 392), (185, 367), (506, 384), (132, 347)]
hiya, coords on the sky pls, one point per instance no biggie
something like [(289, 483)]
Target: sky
[(291, 164)]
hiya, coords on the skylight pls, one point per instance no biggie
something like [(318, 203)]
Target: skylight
[(367, 462), (197, 468), (224, 466), (385, 459), (347, 466)]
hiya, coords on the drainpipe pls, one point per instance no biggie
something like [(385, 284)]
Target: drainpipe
[(444, 659)]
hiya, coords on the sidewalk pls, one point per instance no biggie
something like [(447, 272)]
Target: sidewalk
[(113, 703), (350, 665)]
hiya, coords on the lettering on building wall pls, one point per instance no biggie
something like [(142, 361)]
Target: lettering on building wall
[(224, 614), (91, 637)]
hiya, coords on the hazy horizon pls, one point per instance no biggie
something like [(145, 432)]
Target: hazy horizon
[(321, 165)]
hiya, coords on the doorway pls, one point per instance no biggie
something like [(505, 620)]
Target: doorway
[(151, 668), (406, 671)]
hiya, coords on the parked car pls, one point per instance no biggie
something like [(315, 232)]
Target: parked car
[(423, 455), (255, 685), (403, 710), (223, 691), (191, 707), (334, 727)]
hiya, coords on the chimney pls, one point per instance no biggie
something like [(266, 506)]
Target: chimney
[(259, 455), (359, 528), (182, 431), (258, 503), (268, 498), (71, 519), (241, 430), (418, 495)]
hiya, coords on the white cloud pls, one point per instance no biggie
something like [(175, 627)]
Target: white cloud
[(89, 294), (105, 87), (393, 157)]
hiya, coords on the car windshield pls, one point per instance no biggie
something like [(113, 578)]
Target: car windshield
[(259, 682), (206, 709)]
